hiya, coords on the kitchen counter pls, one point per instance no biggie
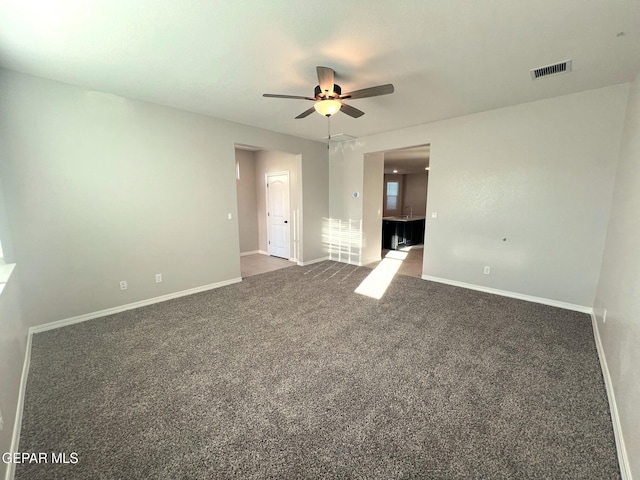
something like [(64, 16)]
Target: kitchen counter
[(404, 218), (402, 231)]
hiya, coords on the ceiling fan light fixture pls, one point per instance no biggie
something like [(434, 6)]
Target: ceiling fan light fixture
[(327, 107)]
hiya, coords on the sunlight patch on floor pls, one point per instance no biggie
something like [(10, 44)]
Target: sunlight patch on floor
[(377, 282)]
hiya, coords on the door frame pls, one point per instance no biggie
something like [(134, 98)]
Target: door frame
[(382, 195)]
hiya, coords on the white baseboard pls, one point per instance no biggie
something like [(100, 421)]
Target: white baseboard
[(130, 306), (506, 293), (311, 262), (262, 252), (17, 424), (254, 252), (623, 460)]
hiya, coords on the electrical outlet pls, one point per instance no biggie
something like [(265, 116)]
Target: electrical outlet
[(158, 278), (124, 285), (434, 214), (487, 269), (604, 316), (230, 216)]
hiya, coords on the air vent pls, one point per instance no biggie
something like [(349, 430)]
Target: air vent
[(555, 69)]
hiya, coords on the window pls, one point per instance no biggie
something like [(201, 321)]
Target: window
[(392, 201), (393, 189)]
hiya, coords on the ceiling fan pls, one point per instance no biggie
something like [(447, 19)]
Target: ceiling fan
[(328, 96)]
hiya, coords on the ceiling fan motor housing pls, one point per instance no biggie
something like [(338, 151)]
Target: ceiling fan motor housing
[(337, 91)]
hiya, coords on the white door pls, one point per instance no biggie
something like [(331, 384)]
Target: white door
[(278, 226)]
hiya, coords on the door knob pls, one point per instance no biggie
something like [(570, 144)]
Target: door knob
[(286, 221)]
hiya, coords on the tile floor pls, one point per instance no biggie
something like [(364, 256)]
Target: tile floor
[(411, 265), (258, 263)]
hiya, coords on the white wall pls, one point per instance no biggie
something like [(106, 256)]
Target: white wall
[(619, 287), (247, 201), (539, 174), (103, 188)]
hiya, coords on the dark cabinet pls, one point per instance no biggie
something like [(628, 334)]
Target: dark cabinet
[(389, 236), (417, 232), (402, 233)]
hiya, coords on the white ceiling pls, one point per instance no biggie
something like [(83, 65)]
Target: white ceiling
[(445, 57)]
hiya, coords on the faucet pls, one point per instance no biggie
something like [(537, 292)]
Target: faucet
[(410, 210)]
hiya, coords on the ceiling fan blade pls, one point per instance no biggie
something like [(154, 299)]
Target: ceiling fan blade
[(325, 79), (351, 111), (273, 95), (306, 113), (370, 92)]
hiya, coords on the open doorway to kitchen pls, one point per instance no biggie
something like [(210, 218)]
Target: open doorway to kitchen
[(404, 206)]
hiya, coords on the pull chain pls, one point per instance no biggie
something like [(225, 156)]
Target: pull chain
[(328, 131)]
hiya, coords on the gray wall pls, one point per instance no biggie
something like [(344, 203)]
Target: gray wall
[(415, 192), (13, 330), (247, 201), (13, 340), (343, 232), (103, 188), (619, 287), (540, 174), (373, 178), (5, 233)]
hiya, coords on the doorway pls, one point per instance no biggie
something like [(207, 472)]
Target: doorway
[(404, 205), (267, 245)]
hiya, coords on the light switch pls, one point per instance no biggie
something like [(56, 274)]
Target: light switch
[(434, 214)]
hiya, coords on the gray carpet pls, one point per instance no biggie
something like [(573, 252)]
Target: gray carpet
[(290, 374)]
